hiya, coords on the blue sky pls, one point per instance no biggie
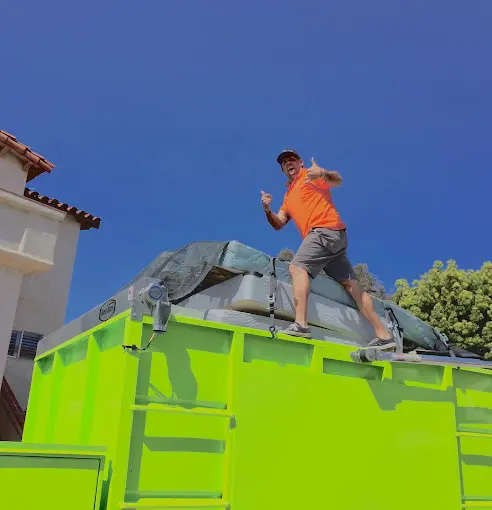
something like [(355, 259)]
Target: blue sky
[(164, 119)]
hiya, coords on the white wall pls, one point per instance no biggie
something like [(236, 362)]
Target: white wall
[(28, 233), (10, 284), (44, 296), (37, 253), (12, 177), (42, 304), (29, 245), (18, 373)]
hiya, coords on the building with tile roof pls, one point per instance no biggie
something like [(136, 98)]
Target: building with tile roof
[(38, 242)]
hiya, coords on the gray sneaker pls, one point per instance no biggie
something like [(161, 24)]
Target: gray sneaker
[(382, 344), (296, 329)]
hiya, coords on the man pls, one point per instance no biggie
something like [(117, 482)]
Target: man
[(308, 203)]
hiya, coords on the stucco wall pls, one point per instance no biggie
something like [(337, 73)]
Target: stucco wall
[(18, 373), (44, 296), (10, 283), (37, 253), (12, 177), (42, 304)]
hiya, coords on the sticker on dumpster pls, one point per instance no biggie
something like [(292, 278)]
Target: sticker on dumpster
[(107, 310), (130, 293)]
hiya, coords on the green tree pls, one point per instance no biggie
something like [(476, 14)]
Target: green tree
[(458, 302), (369, 281), (285, 254)]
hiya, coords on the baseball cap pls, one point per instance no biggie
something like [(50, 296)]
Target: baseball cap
[(287, 152)]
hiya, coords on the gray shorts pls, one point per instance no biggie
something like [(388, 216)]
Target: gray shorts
[(326, 249)]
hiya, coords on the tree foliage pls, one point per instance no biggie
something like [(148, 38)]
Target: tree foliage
[(285, 254), (458, 302), (369, 281)]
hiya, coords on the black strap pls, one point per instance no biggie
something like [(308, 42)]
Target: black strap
[(397, 329), (272, 296)]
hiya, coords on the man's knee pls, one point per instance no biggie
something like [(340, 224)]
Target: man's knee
[(352, 287), (295, 270), (300, 280)]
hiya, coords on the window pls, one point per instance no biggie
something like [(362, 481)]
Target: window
[(23, 344), (13, 343)]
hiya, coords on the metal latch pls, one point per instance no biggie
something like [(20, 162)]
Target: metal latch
[(156, 296), (153, 300)]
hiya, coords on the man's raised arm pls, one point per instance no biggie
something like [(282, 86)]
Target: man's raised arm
[(332, 177), (277, 221)]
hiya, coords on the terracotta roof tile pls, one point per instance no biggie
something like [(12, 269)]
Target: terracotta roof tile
[(85, 219), (37, 164)]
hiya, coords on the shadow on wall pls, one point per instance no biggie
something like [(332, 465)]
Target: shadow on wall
[(11, 415), (18, 372)]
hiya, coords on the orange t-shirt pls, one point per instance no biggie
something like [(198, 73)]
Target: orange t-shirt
[(310, 205)]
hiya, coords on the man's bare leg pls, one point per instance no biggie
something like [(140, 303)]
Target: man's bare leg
[(364, 303), (300, 283)]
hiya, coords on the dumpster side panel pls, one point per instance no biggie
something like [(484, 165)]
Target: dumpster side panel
[(56, 478), (314, 431), (474, 423), (72, 365), (180, 455), (225, 415), (105, 391), (76, 390), (40, 396)]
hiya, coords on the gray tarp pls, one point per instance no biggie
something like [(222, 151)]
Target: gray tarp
[(183, 270)]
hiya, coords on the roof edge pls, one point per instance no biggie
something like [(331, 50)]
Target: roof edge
[(85, 219), (35, 164)]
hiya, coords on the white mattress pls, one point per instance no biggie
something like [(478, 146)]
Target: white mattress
[(240, 257), (251, 321), (249, 294), (247, 320)]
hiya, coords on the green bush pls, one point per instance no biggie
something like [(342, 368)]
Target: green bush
[(458, 302)]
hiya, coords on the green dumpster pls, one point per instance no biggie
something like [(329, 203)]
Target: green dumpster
[(50, 477), (218, 416)]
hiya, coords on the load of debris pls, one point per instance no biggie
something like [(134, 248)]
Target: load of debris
[(231, 283)]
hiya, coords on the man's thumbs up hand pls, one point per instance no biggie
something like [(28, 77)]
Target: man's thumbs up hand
[(266, 200), (315, 172)]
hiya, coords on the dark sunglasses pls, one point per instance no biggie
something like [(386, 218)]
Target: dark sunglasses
[(288, 158)]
